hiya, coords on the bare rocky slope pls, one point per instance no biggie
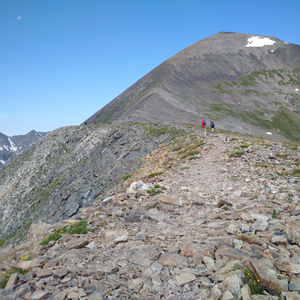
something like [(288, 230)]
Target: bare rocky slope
[(10, 147), (204, 217), (68, 169), (244, 82)]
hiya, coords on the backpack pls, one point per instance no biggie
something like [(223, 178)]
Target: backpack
[(212, 123), (204, 123)]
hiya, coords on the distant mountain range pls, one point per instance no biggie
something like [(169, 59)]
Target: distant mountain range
[(244, 82), (11, 146)]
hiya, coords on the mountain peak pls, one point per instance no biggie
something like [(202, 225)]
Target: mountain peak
[(243, 81), (12, 146)]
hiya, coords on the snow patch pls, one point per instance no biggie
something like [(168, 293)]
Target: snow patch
[(257, 41), (38, 135), (286, 43), (272, 50), (297, 90), (12, 145), (1, 148), (5, 148), (269, 133), (2, 161)]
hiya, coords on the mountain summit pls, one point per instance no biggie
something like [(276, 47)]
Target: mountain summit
[(245, 82)]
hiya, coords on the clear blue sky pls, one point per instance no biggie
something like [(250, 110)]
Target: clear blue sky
[(63, 60)]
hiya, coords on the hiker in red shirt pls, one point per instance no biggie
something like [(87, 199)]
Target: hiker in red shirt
[(203, 124)]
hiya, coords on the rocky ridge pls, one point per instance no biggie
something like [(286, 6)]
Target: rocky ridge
[(230, 205), (68, 170)]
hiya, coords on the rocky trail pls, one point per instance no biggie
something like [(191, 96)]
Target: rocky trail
[(205, 217)]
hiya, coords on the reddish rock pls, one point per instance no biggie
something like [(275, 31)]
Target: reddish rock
[(252, 239), (265, 272), (166, 260), (187, 251)]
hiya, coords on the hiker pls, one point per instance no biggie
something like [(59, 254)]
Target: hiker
[(212, 126), (203, 124)]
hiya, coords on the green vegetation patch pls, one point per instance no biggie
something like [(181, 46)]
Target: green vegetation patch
[(78, 228), (176, 148), (288, 122), (160, 130), (284, 156), (156, 190), (191, 147), (7, 238), (155, 174), (235, 177), (236, 154), (184, 168), (283, 120), (7, 274), (252, 282), (190, 153), (126, 176), (260, 166), (244, 145), (296, 172)]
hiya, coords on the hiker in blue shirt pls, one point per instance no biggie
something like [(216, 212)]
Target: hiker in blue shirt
[(212, 126)]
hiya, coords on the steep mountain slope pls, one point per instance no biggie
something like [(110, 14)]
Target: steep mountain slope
[(246, 83), (68, 169), (11, 146)]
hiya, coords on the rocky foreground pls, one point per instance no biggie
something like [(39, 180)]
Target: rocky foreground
[(226, 215)]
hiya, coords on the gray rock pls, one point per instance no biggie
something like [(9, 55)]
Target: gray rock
[(233, 285), (227, 296), (40, 295), (76, 243), (184, 278), (95, 296), (290, 296), (287, 265), (216, 292), (294, 285), (139, 186)]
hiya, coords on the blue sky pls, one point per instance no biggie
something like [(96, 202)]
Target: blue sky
[(61, 61)]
